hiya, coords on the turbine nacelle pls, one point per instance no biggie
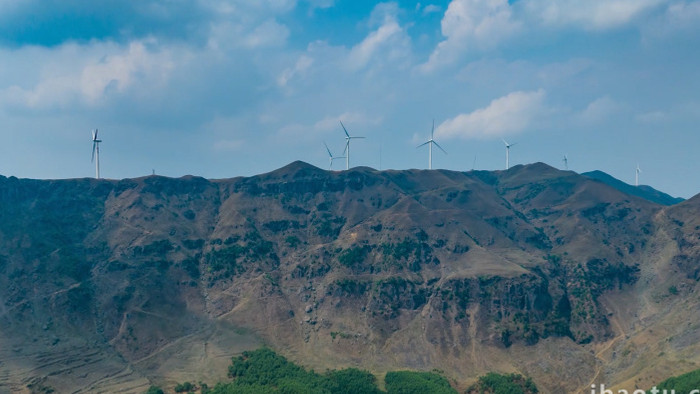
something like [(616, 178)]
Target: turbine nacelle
[(508, 146), (96, 152), (346, 151), (432, 142)]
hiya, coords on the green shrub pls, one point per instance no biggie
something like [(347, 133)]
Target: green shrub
[(493, 383), (184, 387), (409, 382), (351, 380), (681, 384), (154, 390)]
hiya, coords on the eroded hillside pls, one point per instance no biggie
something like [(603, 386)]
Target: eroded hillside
[(109, 285)]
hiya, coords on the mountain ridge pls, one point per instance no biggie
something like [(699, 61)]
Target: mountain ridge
[(467, 272), (643, 191)]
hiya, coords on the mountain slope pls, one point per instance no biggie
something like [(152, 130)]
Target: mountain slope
[(155, 279), (643, 191)]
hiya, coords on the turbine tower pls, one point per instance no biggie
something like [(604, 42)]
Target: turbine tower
[(96, 153), (346, 152), (331, 157), (566, 162), (508, 152), (430, 144), (636, 175)]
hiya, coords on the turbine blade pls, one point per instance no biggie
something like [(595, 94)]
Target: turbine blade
[(432, 131), (344, 129), (505, 142), (425, 143), (357, 137), (329, 151), (347, 144), (438, 145), (94, 146)]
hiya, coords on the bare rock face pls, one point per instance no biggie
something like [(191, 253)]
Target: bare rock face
[(115, 285)]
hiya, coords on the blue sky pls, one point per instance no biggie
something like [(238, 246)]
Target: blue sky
[(227, 88)]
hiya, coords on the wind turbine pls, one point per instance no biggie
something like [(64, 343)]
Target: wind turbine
[(508, 151), (566, 162), (331, 157), (96, 153), (346, 151), (430, 144), (636, 175)]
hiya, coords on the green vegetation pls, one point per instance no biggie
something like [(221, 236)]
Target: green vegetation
[(154, 390), (353, 256), (292, 241), (494, 383), (236, 258), (264, 371), (409, 252), (278, 226), (409, 382), (681, 384), (184, 387), (193, 244)]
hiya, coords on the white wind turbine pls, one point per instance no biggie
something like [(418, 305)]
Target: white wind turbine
[(346, 151), (430, 144), (96, 153), (566, 162), (508, 152), (331, 157), (636, 175)]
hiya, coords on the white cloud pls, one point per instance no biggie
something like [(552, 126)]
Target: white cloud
[(506, 115), (120, 71), (321, 3), (684, 13), (269, 33), (227, 35), (88, 74), (472, 25), (431, 8), (600, 109), (589, 14), (302, 64), (681, 17), (388, 42)]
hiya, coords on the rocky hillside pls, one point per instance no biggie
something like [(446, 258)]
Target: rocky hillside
[(114, 285)]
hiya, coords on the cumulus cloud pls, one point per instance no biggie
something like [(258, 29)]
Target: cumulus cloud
[(389, 40), (504, 116), (472, 25), (92, 75), (590, 14)]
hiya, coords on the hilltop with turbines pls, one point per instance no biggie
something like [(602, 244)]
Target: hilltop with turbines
[(116, 285), (346, 153)]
